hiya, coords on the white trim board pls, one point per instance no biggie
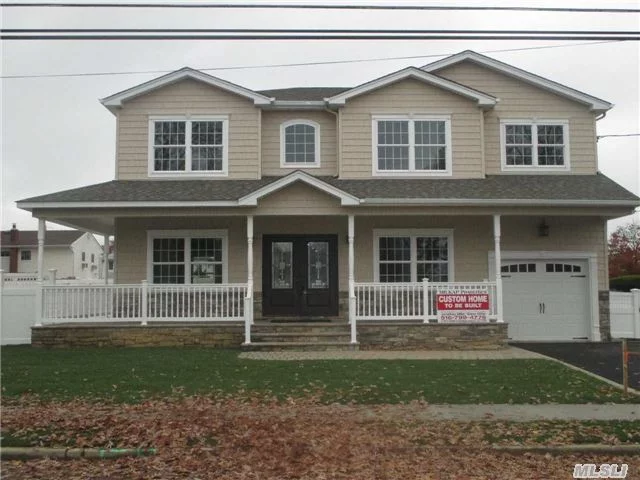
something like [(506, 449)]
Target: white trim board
[(117, 99), (596, 104), (482, 99), (346, 199)]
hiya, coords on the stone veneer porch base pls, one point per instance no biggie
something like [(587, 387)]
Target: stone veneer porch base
[(371, 336)]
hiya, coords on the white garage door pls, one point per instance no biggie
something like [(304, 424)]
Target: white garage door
[(546, 300)]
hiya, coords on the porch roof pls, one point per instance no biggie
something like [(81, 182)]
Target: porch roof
[(587, 190)]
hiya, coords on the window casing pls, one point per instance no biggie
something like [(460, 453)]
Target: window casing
[(411, 255), (300, 144), (416, 145), (187, 256), (25, 255), (534, 144), (188, 146)]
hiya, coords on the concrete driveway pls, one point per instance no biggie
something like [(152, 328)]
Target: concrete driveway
[(604, 359)]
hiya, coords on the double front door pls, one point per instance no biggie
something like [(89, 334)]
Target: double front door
[(300, 275)]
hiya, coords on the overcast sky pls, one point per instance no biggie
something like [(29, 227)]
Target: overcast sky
[(56, 135)]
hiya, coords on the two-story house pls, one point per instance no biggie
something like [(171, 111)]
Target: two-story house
[(467, 170)]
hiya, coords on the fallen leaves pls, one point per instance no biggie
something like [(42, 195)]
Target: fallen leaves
[(202, 437)]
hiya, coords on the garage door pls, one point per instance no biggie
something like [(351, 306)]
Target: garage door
[(546, 300)]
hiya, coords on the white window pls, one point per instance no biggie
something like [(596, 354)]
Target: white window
[(193, 146), (419, 145), (180, 256), (411, 255), (300, 144), (25, 255), (534, 145)]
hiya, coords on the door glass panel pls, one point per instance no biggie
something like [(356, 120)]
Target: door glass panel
[(281, 265), (318, 268)]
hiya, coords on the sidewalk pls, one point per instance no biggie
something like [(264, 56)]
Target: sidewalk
[(513, 413), (503, 354)]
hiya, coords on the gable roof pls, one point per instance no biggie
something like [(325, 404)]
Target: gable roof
[(299, 176), (52, 238), (483, 99), (117, 99), (506, 190), (596, 104)]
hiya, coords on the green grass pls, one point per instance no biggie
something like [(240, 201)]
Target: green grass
[(132, 374)]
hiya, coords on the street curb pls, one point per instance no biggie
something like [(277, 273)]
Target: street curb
[(26, 453), (591, 374), (574, 448)]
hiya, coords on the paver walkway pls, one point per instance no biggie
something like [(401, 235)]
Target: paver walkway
[(503, 354)]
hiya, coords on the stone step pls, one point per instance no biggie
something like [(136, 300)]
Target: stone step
[(300, 328), (300, 346), (301, 337)]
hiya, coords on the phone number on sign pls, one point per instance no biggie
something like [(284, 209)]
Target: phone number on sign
[(463, 317)]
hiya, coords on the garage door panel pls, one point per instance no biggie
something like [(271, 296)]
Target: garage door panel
[(548, 301)]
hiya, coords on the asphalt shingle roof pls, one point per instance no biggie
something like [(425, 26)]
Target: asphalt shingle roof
[(303, 93), (502, 187), (52, 237)]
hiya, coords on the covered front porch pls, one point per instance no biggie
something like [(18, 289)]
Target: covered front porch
[(235, 274)]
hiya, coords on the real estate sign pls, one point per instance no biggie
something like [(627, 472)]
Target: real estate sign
[(457, 306)]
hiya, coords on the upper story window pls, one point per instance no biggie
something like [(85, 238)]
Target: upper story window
[(300, 144), (418, 145), (188, 146), (534, 144)]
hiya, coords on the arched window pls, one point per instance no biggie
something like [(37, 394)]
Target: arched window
[(300, 144)]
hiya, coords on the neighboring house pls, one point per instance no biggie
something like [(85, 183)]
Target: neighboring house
[(72, 253), (420, 173)]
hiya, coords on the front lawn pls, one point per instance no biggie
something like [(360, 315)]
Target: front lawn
[(133, 374)]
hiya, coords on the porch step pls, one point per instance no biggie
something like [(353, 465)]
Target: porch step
[(300, 336), (299, 346)]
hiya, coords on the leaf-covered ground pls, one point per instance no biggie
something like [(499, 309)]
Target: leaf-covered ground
[(202, 437), (136, 374)]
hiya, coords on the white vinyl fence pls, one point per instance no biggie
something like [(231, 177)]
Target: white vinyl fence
[(625, 314), (17, 314)]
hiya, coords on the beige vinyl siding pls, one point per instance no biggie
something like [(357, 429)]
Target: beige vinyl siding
[(271, 122), (585, 234), (409, 97), (472, 239), (182, 98), (299, 199), (522, 100), (131, 243)]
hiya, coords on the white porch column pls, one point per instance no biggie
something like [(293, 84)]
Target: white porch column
[(105, 256), (41, 233), (498, 266), (350, 238), (250, 263)]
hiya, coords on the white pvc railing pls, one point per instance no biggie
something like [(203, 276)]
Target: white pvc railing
[(143, 303), (412, 301)]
